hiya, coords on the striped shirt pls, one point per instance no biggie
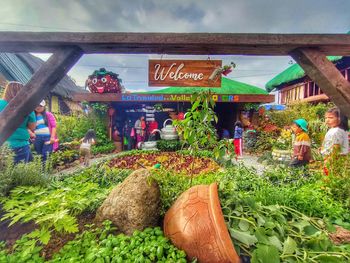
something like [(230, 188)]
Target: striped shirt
[(302, 146), (41, 127)]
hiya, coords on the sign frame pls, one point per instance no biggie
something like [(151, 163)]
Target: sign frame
[(184, 73)]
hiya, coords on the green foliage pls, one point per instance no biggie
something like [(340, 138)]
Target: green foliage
[(105, 148), (101, 245), (26, 249), (55, 207), (338, 180), (60, 158), (290, 188), (169, 145), (22, 174), (197, 129), (172, 185), (99, 108), (276, 233), (265, 141), (251, 106), (70, 128), (307, 111)]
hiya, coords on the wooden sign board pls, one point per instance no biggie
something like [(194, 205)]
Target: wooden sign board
[(184, 73)]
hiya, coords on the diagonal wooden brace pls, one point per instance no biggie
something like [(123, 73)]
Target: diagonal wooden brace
[(44, 80), (326, 76)]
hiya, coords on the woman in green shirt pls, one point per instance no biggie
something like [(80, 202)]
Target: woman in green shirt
[(19, 139)]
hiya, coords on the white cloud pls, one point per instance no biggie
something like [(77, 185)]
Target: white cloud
[(312, 16)]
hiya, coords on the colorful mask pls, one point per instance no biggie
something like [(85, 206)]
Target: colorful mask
[(102, 81)]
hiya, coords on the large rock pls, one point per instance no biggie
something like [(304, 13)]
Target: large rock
[(134, 204)]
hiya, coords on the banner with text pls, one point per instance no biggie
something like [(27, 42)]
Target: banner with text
[(184, 73)]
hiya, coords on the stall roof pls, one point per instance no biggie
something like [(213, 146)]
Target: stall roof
[(228, 86), (292, 73), (21, 66)]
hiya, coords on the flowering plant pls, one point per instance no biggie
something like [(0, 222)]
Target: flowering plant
[(284, 141)]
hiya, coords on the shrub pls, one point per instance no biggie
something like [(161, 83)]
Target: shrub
[(28, 174), (74, 127), (169, 146)]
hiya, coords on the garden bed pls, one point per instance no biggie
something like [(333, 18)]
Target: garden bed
[(170, 161)]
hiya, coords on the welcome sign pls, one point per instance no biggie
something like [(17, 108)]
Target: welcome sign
[(184, 73)]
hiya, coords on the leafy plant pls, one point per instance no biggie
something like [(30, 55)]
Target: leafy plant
[(275, 233), (169, 145), (29, 174), (197, 129), (105, 148)]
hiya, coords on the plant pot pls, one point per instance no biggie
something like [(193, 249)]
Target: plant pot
[(195, 223)]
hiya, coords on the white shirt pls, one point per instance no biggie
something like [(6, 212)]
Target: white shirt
[(335, 136)]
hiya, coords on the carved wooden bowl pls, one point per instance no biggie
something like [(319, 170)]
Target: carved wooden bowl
[(195, 223)]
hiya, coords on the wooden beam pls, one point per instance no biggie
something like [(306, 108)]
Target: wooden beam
[(326, 76), (44, 80), (175, 43)]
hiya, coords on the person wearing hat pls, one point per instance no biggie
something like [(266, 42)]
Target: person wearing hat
[(302, 144), (45, 140), (18, 142)]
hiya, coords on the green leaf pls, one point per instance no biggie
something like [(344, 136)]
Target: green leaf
[(301, 225), (261, 236), (289, 246), (45, 236), (243, 225), (328, 259), (265, 254), (276, 242), (244, 237)]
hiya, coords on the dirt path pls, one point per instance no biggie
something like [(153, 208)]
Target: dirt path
[(252, 161)]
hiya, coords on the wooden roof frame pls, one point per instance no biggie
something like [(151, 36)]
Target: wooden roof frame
[(309, 50)]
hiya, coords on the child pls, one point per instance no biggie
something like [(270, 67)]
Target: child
[(238, 142), (302, 144), (85, 147), (336, 139)]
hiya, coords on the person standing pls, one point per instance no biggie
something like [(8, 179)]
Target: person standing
[(238, 139), (19, 139), (336, 142), (127, 139), (45, 140), (302, 144), (85, 147), (140, 126)]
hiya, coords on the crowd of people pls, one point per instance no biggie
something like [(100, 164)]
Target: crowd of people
[(39, 128), (135, 134), (335, 143)]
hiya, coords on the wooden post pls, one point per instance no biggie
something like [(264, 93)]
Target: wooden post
[(325, 75), (44, 80)]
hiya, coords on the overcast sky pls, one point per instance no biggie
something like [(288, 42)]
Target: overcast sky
[(183, 16)]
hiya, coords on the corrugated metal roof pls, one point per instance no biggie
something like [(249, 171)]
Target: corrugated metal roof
[(290, 74), (21, 66), (12, 66)]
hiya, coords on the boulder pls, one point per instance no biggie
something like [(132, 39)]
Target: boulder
[(132, 205)]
